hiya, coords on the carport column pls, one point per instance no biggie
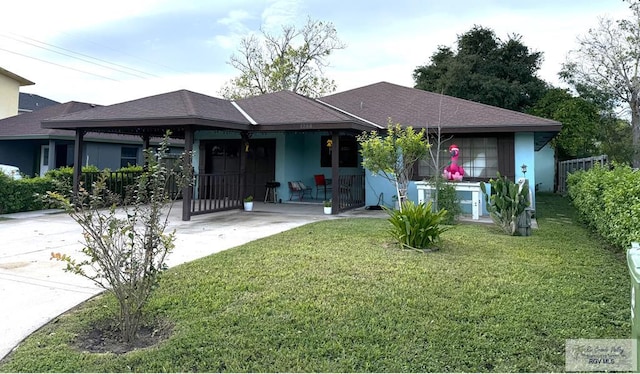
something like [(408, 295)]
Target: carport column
[(77, 161), (187, 191), (146, 143), (244, 145), (335, 172)]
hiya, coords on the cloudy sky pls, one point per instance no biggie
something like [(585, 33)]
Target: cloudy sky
[(112, 51)]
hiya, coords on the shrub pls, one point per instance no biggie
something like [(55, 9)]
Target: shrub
[(416, 226), (608, 201), (125, 253), (449, 201), (130, 169), (505, 202), (21, 195)]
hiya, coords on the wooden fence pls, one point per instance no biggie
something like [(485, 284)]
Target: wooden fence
[(215, 193), (569, 166)]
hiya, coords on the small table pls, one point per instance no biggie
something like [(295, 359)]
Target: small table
[(271, 194)]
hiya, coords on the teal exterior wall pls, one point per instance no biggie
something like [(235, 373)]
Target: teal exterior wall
[(297, 156), (524, 148), (380, 189), (545, 169), (298, 159)]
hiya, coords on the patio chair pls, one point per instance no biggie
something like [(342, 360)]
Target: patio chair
[(299, 188), (322, 182)]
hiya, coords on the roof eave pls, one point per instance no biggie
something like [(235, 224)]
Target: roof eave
[(115, 124)]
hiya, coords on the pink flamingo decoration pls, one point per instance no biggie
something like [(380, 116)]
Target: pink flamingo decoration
[(453, 171)]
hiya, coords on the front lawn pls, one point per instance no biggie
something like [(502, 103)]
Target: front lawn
[(337, 296)]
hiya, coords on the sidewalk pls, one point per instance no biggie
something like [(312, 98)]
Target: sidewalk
[(34, 289)]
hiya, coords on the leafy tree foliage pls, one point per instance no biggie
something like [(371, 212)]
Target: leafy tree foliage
[(270, 63), (609, 59), (589, 125), (394, 154), (485, 69), (580, 121)]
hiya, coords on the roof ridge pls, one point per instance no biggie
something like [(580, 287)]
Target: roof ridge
[(186, 99), (348, 114)]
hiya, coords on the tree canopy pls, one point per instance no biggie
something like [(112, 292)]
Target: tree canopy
[(608, 60), (393, 155), (485, 69), (293, 60), (580, 121)]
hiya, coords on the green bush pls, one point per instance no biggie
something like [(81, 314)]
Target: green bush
[(130, 169), (21, 195), (416, 226), (63, 178), (449, 201), (608, 201)]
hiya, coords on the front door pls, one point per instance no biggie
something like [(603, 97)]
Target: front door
[(222, 157), (261, 166)]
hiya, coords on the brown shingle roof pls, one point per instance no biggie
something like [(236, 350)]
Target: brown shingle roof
[(288, 110), (409, 106), (27, 125), (180, 104)]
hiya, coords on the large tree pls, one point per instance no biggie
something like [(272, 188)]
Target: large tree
[(293, 60), (609, 59), (485, 69), (580, 121)]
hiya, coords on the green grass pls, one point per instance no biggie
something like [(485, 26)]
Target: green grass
[(338, 296)]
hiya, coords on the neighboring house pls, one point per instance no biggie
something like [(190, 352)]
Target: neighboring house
[(31, 102), (240, 146), (10, 84), (25, 144)]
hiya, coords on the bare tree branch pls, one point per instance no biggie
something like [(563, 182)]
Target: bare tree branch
[(276, 62)]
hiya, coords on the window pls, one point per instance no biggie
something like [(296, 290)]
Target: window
[(478, 157), (128, 156), (348, 151)]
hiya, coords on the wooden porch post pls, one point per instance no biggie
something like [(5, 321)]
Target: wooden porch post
[(77, 161), (187, 191), (335, 172), (146, 143), (244, 148)]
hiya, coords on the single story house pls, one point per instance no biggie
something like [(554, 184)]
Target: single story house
[(241, 147), (35, 150)]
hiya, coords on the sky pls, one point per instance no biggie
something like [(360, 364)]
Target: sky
[(113, 51)]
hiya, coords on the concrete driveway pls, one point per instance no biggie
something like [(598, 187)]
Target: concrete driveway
[(34, 289)]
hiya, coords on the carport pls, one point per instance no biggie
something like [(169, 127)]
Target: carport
[(187, 113)]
